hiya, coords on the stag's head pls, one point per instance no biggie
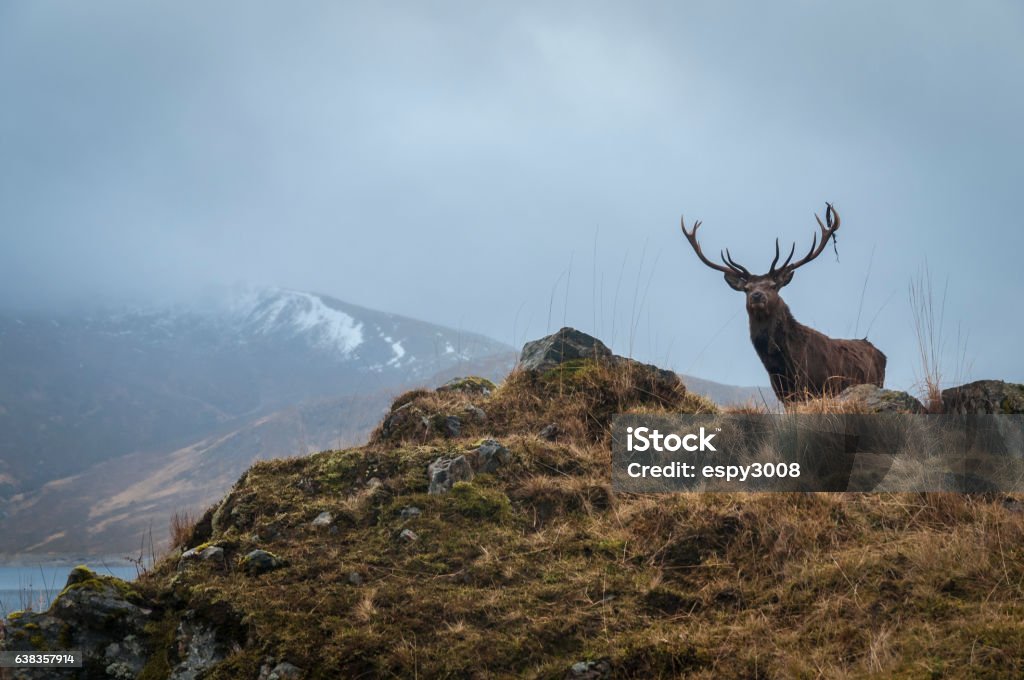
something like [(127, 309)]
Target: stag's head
[(762, 290)]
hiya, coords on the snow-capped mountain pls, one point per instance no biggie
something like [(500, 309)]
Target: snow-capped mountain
[(376, 342), (78, 390)]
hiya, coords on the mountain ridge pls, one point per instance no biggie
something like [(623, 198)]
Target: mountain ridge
[(96, 406)]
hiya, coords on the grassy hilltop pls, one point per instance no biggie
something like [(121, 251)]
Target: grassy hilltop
[(537, 569)]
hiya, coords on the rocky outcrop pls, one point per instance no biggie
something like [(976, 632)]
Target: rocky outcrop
[(468, 385), (984, 396), (569, 346), (102, 616), (565, 345), (490, 456), (409, 421), (260, 562), (445, 472), (875, 399)]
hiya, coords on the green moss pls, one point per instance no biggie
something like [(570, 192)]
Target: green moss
[(15, 615), (473, 384), (470, 500), (83, 578), (241, 664), (610, 547), (65, 638), (162, 638), (574, 370)]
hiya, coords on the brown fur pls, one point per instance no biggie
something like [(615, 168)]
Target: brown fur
[(801, 362)]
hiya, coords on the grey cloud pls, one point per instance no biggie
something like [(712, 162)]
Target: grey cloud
[(450, 160)]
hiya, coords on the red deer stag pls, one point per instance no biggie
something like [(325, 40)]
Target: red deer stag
[(801, 362)]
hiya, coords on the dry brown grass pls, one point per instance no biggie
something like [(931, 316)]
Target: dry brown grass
[(580, 397), (182, 524), (524, 572)]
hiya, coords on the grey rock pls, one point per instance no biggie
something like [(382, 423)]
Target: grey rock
[(355, 578), (590, 670), (410, 512), (445, 472), (475, 413), (260, 562), (452, 427), (285, 671), (202, 649), (878, 400), (470, 385), (324, 519), (550, 432), (491, 455), (212, 553), (405, 420), (408, 535), (565, 345), (984, 396), (100, 615)]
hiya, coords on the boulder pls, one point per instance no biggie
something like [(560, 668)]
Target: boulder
[(569, 344), (212, 554), (590, 670), (475, 413), (878, 400), (451, 426), (260, 562), (469, 385), (444, 472), (102, 616), (324, 519), (565, 345), (403, 422), (984, 396), (201, 646), (491, 455)]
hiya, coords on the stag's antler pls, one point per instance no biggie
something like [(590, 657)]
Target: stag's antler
[(832, 217), (731, 267)]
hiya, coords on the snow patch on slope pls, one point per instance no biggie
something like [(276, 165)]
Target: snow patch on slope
[(306, 314)]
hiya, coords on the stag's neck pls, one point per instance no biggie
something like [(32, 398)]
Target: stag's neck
[(774, 337), (773, 326)]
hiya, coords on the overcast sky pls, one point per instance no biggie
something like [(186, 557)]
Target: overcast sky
[(507, 167)]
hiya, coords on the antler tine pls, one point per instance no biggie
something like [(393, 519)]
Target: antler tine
[(772, 270), (791, 252), (817, 247), (727, 258), (691, 236)]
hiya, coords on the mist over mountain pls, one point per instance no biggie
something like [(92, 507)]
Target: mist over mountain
[(112, 420), (95, 402)]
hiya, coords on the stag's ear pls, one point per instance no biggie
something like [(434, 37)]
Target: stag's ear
[(783, 277), (736, 282)]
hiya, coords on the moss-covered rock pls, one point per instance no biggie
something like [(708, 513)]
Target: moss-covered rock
[(874, 399), (984, 396), (469, 385), (259, 562), (100, 615)]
